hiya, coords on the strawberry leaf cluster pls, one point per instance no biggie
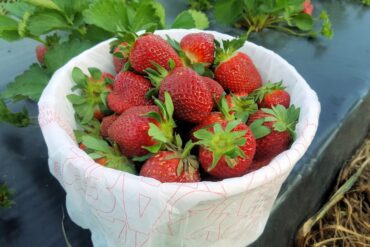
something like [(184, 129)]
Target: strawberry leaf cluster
[(293, 16)]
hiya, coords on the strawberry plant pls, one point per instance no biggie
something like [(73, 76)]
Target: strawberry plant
[(66, 28), (294, 17)]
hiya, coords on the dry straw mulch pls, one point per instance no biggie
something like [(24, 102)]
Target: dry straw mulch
[(345, 219)]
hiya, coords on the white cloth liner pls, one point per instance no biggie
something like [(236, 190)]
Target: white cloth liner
[(121, 209)]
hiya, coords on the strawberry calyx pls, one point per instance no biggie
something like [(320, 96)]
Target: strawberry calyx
[(108, 155), (269, 87), (156, 77), (228, 49), (101, 151), (283, 119), (93, 93), (223, 141), (187, 161), (243, 106), (224, 108), (163, 131)]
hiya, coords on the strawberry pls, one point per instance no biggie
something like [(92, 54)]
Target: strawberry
[(271, 94), (149, 48), (130, 130), (308, 7), (40, 53), (93, 91), (106, 123), (191, 98), (120, 56), (199, 47), (214, 87), (274, 130), (143, 129), (129, 90), (226, 149), (224, 114), (235, 71), (172, 166)]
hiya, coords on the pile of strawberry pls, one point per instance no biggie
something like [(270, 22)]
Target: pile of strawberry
[(165, 92)]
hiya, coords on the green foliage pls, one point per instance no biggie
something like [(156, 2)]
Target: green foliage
[(5, 196), (282, 15), (28, 85), (18, 119), (200, 5), (68, 27), (191, 19)]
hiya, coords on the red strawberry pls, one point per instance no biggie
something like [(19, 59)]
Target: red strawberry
[(93, 90), (236, 71), (274, 130), (130, 130), (271, 94), (308, 7), (40, 53), (151, 48), (120, 56), (226, 149), (169, 166), (106, 123), (191, 98), (129, 90), (199, 47), (214, 87)]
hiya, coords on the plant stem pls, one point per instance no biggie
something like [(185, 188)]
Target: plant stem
[(287, 30)]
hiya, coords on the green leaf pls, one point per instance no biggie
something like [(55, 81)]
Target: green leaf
[(76, 99), (142, 158), (46, 21), (231, 125), (191, 19), (154, 148), (157, 133), (147, 13), (95, 73), (96, 144), (60, 54), (18, 9), (258, 129), (78, 76), (154, 115), (28, 85), (19, 119), (303, 21), (7, 24), (326, 29), (107, 14), (228, 12), (5, 196), (169, 104), (203, 134), (46, 4)]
